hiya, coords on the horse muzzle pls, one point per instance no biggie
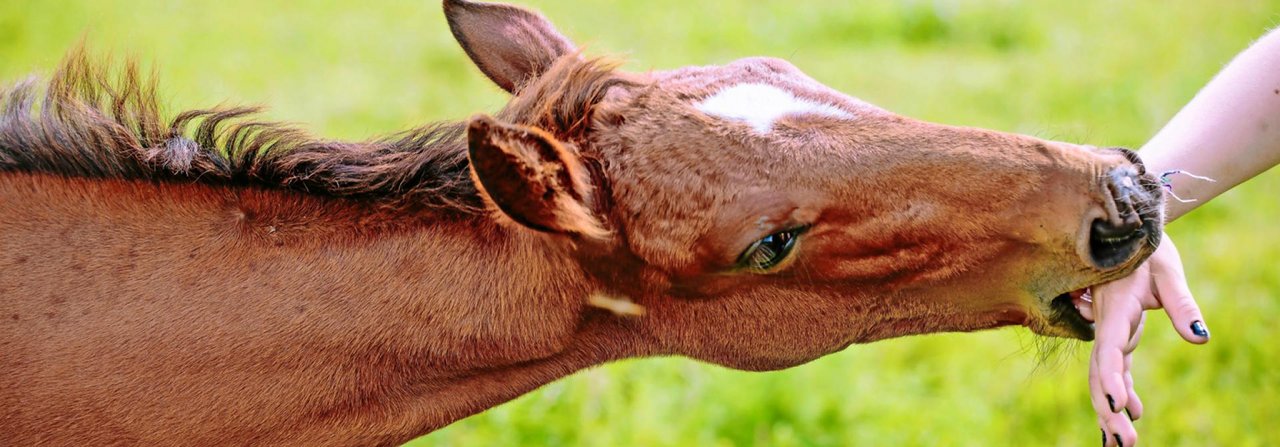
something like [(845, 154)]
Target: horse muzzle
[(1133, 216)]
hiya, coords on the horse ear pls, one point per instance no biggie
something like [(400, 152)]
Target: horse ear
[(511, 45), (531, 177)]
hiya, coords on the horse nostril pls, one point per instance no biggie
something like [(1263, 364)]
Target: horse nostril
[(1111, 245), (1106, 231)]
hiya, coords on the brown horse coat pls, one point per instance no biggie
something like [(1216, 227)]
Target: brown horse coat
[(214, 279)]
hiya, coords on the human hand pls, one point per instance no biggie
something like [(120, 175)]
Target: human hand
[(1118, 311)]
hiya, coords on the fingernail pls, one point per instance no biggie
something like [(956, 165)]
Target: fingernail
[(1118, 441), (1197, 327), (1104, 437), (1130, 415), (1111, 403)]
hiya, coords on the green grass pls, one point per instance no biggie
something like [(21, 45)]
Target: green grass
[(1087, 70)]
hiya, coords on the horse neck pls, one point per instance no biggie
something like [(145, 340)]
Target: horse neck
[(477, 313), (503, 313), (342, 311), (463, 313)]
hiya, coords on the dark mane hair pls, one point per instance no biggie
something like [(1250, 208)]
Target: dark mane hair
[(94, 121)]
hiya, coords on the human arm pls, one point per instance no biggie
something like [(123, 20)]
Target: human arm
[(1229, 132)]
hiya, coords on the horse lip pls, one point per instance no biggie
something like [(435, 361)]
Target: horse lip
[(1064, 314)]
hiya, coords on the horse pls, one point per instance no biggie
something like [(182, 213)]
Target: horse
[(213, 278)]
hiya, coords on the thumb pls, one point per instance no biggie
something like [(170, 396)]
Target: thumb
[(1170, 284)]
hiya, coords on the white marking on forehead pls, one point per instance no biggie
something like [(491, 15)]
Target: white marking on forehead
[(762, 104)]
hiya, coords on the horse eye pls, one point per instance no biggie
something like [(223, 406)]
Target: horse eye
[(770, 250)]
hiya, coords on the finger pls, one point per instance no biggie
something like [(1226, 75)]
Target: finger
[(1111, 379), (1135, 338), (1134, 406), (1171, 288), (1102, 427), (1120, 430), (1115, 327), (1119, 426), (1097, 397), (1087, 311)]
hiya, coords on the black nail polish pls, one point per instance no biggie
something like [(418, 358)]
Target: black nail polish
[(1118, 441), (1104, 437), (1197, 327), (1130, 415), (1111, 403)]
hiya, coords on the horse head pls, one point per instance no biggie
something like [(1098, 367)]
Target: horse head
[(762, 219)]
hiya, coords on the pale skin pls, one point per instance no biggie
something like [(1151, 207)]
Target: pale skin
[(1229, 132)]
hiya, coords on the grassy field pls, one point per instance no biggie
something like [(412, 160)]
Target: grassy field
[(1086, 71)]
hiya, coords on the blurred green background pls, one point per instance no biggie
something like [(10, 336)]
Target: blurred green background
[(1091, 71)]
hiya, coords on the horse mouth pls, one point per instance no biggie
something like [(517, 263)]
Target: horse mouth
[(1072, 314)]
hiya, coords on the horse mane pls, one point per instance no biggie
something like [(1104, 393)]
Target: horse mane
[(93, 121)]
